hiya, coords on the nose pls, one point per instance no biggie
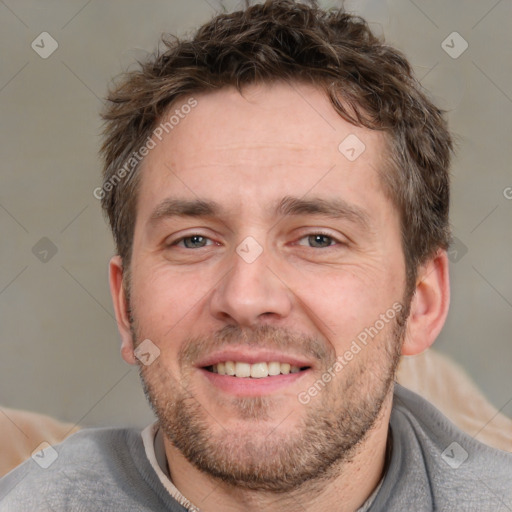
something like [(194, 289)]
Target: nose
[(251, 292)]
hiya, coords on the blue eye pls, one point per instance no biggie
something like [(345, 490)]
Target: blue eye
[(318, 241), (193, 242)]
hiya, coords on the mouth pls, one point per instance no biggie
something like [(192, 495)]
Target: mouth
[(243, 373), (259, 370)]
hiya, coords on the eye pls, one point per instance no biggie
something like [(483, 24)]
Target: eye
[(193, 242), (318, 241)]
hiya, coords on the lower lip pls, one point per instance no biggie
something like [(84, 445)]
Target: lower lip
[(249, 386)]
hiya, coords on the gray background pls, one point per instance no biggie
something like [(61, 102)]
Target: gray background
[(59, 343)]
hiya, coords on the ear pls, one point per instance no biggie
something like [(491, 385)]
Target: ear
[(120, 306), (429, 306)]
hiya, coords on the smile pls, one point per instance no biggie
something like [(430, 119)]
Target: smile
[(255, 371)]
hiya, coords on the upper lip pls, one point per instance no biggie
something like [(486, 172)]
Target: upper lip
[(251, 356)]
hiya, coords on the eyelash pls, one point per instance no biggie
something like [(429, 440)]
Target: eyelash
[(326, 235), (181, 240)]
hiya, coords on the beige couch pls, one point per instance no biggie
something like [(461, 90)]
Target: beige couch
[(430, 374), (445, 384), (21, 432)]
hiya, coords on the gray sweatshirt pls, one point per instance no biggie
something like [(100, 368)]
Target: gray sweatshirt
[(433, 467)]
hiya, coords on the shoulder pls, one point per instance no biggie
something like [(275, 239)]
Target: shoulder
[(456, 470), (96, 467)]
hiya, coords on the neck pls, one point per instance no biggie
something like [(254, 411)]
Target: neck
[(349, 486)]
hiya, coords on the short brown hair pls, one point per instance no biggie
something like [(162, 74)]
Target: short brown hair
[(368, 83)]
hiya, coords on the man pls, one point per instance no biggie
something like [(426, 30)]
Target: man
[(278, 191)]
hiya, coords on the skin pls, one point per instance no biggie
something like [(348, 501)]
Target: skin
[(246, 153)]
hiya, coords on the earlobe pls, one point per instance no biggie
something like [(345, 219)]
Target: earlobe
[(121, 310), (429, 306)]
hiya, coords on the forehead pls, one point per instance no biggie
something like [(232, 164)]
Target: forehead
[(269, 142)]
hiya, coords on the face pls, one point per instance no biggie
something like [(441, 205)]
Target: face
[(261, 249)]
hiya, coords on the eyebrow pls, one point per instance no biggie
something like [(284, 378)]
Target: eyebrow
[(335, 208), (184, 208), (287, 206)]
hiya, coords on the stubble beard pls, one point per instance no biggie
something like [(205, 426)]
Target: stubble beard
[(263, 456)]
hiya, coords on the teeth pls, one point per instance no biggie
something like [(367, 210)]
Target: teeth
[(230, 368), (259, 370), (242, 369), (256, 370), (274, 368)]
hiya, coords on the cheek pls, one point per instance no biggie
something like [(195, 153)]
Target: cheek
[(164, 306), (343, 303), (164, 300)]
